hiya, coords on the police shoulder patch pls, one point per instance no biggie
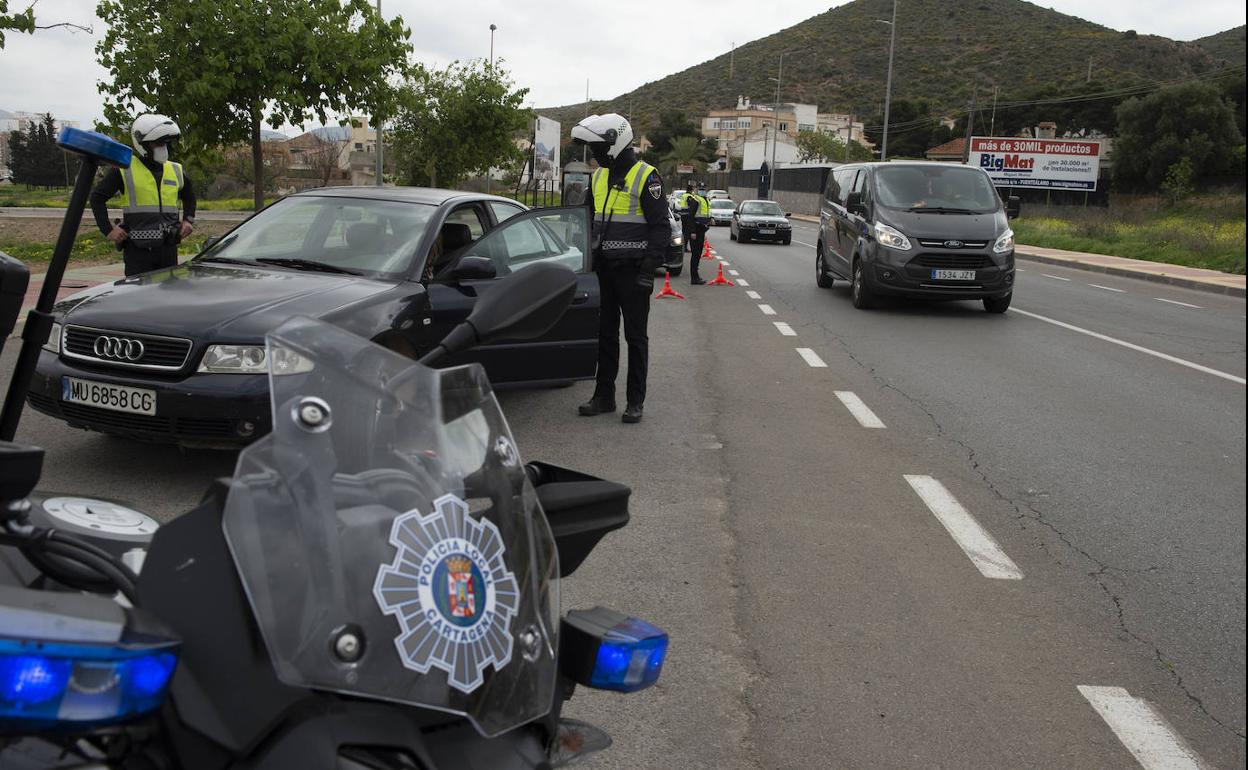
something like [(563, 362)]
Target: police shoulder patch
[(656, 189)]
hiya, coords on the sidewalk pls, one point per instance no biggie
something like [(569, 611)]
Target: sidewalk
[(75, 280), (1157, 272)]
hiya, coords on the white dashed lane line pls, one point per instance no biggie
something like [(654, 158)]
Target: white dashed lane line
[(974, 540), (753, 294), (767, 309), (861, 412), (1055, 277), (811, 357), (743, 282), (1142, 729), (1132, 346), (1176, 302), (1107, 288), (785, 329), (733, 273)]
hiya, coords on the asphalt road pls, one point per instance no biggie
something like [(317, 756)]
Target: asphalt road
[(821, 614)]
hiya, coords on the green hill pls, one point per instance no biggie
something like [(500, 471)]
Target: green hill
[(838, 60), (1226, 46)]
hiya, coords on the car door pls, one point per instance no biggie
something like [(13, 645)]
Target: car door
[(843, 249), (569, 350), (855, 223)]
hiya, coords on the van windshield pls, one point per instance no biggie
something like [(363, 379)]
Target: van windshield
[(957, 189)]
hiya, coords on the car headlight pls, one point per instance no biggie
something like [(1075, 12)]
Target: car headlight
[(53, 345), (678, 240), (891, 238), (252, 359), (1004, 243)]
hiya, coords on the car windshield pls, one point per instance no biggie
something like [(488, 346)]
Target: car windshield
[(356, 235), (935, 187), (723, 204), (762, 208)]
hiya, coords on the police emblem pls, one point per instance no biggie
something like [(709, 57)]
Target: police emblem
[(451, 592)]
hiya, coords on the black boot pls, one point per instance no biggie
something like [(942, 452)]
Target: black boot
[(597, 405), (632, 413)]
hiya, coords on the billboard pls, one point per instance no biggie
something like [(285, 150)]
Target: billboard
[(545, 149), (1054, 164)]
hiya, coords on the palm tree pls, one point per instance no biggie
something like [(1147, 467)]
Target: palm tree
[(686, 151)]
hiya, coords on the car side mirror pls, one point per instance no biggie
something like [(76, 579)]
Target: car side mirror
[(854, 205), (1013, 205), (474, 268)]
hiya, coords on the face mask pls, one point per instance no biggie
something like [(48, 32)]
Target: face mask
[(600, 154), (160, 153)]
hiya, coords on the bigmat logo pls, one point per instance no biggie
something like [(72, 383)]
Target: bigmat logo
[(1006, 162)]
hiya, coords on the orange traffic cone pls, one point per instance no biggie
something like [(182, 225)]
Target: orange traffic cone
[(706, 249), (667, 290), (720, 280)]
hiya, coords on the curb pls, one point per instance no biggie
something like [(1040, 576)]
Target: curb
[(1123, 272)]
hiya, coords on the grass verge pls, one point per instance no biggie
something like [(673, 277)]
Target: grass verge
[(17, 196), (1204, 231)]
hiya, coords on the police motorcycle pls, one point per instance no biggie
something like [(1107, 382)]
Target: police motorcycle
[(376, 587)]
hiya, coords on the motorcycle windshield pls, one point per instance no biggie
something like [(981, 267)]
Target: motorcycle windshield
[(387, 536)]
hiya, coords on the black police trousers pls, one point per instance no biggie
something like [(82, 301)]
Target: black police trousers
[(139, 260), (696, 239), (621, 296)]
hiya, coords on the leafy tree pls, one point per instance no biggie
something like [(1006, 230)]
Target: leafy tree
[(823, 146), (36, 160), (674, 125), (914, 128), (458, 121), (292, 60), (685, 151), (1185, 122), (23, 21)]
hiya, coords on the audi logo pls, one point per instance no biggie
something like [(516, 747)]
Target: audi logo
[(954, 244), (118, 348)]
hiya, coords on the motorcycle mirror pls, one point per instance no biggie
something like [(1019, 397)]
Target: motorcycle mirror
[(521, 306)]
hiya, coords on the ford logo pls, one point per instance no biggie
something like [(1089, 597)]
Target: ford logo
[(954, 244), (118, 348)]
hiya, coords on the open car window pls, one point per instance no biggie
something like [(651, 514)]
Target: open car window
[(559, 235)]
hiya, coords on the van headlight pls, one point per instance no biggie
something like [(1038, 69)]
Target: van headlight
[(891, 238), (252, 359), (53, 345), (1004, 243)]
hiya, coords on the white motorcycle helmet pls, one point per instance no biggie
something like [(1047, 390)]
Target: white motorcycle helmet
[(611, 130), (150, 129)]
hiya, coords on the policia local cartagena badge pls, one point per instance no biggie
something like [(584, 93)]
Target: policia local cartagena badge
[(451, 592)]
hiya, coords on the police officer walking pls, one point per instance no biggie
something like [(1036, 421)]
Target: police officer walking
[(631, 233), (151, 226), (696, 215)]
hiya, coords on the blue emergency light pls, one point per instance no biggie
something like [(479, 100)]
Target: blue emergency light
[(68, 685), (94, 145), (608, 650)]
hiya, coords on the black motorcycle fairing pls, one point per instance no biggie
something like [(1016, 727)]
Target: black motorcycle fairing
[(224, 687)]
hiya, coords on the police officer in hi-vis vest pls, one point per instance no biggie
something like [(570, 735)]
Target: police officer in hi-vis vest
[(696, 214), (151, 225), (631, 233)]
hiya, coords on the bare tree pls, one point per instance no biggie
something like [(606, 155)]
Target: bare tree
[(322, 158)]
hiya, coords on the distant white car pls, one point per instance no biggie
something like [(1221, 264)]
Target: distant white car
[(721, 211), (717, 195)]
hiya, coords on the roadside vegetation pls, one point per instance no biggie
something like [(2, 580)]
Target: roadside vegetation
[(31, 241), (58, 198), (1204, 230)]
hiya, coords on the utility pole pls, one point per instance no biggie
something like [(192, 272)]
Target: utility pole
[(992, 124), (380, 165), (732, 55), (888, 86), (1089, 80), (970, 125), (489, 173), (492, 28), (775, 139), (585, 147)]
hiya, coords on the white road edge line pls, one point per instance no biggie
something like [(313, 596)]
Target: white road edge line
[(1055, 277), (743, 282), (784, 329), (1176, 302), (1107, 288), (1132, 346), (811, 358), (1142, 729), (974, 540), (804, 243), (767, 309), (753, 295), (861, 412)]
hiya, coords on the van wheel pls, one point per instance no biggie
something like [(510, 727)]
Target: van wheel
[(822, 278), (862, 297), (998, 304)]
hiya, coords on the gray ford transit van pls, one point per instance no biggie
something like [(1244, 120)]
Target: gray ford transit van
[(929, 230)]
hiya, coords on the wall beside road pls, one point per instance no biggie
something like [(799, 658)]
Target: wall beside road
[(805, 203)]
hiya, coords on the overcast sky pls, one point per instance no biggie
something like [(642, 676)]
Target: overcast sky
[(548, 48)]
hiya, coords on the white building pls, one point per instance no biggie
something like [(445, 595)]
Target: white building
[(838, 123), (765, 144)]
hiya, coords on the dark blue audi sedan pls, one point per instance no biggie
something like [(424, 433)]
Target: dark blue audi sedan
[(178, 356)]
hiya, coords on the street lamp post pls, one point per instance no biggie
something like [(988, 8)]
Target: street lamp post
[(888, 86), (380, 165), (492, 28), (775, 136)]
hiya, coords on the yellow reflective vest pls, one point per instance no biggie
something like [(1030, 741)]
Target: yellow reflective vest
[(620, 228), (151, 207)]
